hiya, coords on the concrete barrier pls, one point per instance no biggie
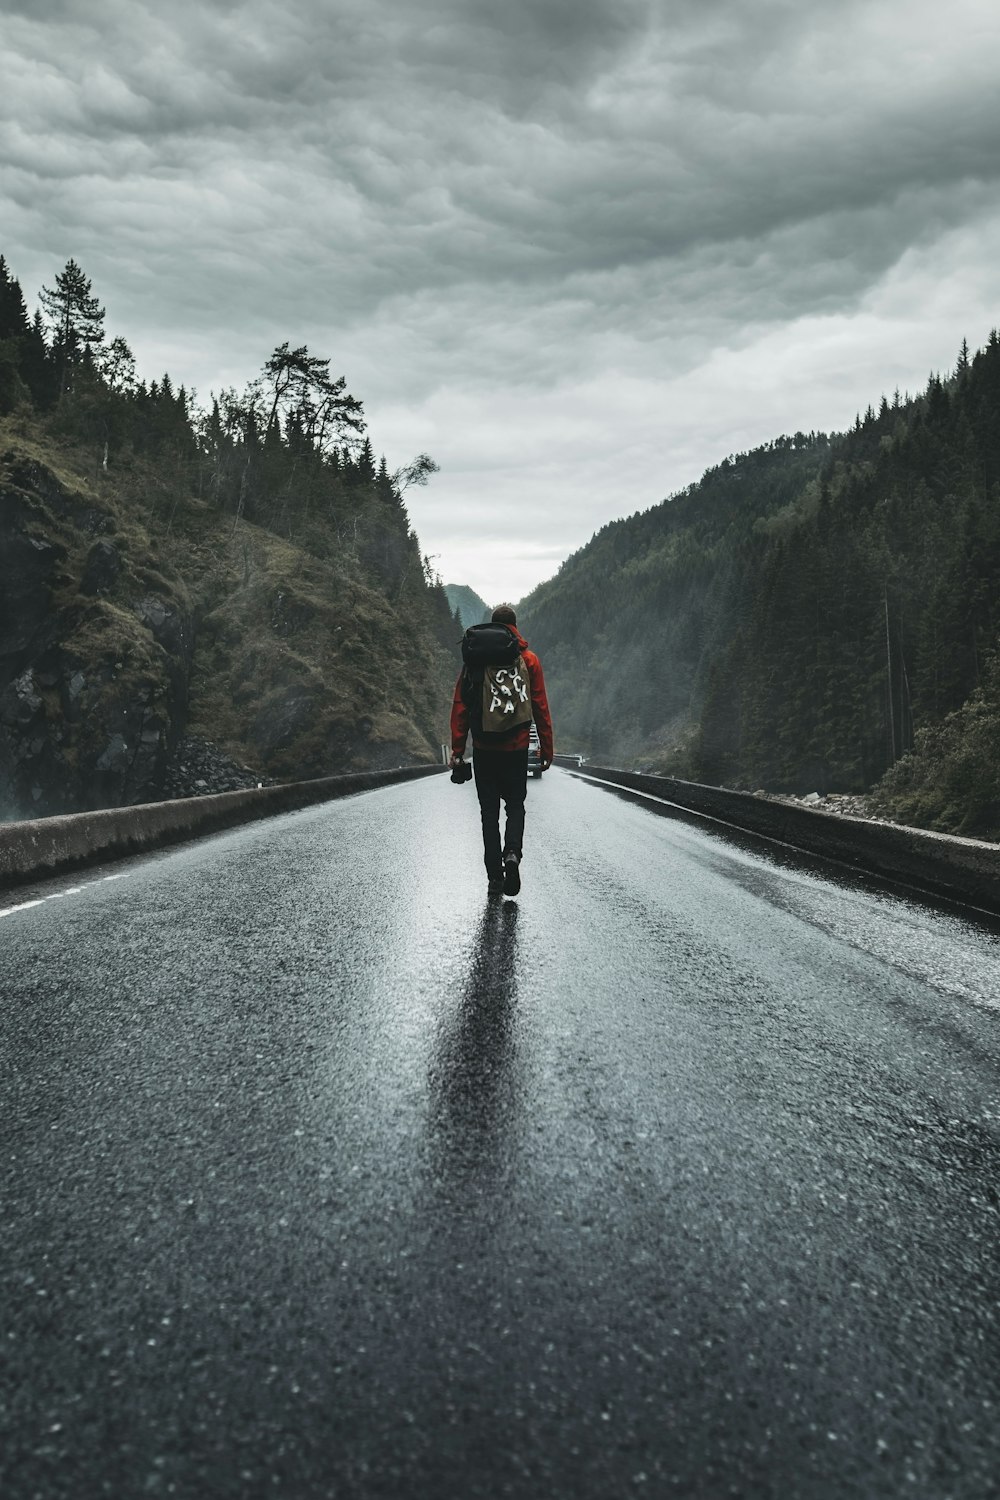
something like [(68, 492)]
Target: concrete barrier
[(959, 869), (47, 846)]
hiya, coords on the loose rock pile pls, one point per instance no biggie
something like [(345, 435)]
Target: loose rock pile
[(850, 805), (845, 804), (200, 769)]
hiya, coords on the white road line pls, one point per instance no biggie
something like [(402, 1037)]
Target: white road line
[(73, 890)]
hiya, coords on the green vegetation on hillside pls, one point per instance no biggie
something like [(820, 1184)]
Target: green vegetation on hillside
[(466, 605), (244, 572), (810, 615)]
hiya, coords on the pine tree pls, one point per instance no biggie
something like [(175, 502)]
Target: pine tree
[(366, 463), (13, 314), (76, 320), (13, 330), (962, 367)]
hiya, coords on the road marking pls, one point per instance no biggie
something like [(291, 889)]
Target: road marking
[(957, 903), (73, 890), (10, 910)]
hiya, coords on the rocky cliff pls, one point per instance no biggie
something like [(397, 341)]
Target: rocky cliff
[(131, 621)]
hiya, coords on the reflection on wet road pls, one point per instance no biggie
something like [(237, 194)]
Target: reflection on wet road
[(473, 1071), (323, 1175)]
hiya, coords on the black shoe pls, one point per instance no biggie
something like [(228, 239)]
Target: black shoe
[(494, 886), (511, 874)]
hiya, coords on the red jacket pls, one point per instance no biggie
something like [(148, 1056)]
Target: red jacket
[(519, 739)]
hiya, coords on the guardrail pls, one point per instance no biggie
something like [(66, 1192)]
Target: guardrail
[(41, 847), (966, 870)]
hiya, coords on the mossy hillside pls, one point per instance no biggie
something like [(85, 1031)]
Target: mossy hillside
[(88, 695), (292, 662), (950, 781), (302, 667)]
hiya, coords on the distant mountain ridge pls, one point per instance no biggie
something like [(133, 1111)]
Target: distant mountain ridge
[(819, 614), (466, 604)]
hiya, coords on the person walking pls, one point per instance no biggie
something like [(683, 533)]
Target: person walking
[(500, 762)]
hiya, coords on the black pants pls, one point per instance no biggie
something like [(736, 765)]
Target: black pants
[(501, 773)]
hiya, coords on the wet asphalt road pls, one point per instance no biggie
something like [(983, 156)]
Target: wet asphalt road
[(322, 1176)]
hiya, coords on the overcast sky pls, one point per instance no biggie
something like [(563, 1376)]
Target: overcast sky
[(577, 250)]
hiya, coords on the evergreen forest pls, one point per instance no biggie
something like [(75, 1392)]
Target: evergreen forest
[(819, 614), (243, 569)]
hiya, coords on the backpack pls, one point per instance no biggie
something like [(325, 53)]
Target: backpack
[(495, 683)]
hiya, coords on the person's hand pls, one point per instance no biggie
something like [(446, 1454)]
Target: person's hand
[(456, 760), (544, 764)]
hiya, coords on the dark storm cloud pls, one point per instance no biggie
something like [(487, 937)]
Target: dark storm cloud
[(465, 196), (469, 142)]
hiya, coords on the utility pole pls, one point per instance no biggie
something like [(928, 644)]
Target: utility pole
[(888, 673)]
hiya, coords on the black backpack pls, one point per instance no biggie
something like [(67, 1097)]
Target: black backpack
[(495, 683)]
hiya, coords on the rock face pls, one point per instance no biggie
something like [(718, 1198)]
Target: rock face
[(103, 565), (149, 653), (93, 682)]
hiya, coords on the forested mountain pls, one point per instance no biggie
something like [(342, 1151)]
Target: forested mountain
[(466, 604), (807, 616), (243, 571)]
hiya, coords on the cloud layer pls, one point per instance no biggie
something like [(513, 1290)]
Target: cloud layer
[(577, 249)]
